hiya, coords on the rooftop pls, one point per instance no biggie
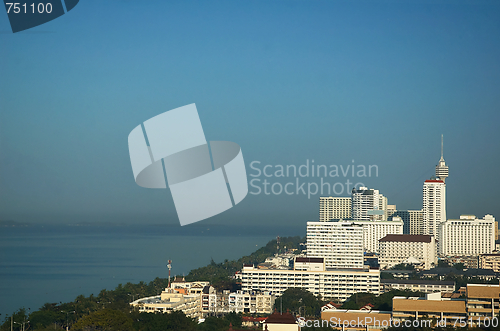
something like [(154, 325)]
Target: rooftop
[(406, 238)]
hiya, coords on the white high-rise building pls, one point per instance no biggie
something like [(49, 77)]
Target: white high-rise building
[(340, 243), (368, 205), (434, 206), (373, 231), (467, 236), (334, 208), (434, 199)]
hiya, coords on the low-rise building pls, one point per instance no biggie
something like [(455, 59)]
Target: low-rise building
[(469, 262), (396, 274), (483, 300), (424, 286), (254, 302), (442, 273), (490, 261), (398, 248), (432, 307), (342, 319), (169, 301)]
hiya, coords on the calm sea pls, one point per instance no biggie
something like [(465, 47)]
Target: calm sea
[(40, 264)]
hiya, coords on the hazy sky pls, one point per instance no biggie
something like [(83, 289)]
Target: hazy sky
[(376, 82)]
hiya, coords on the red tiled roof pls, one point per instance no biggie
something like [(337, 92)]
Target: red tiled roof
[(253, 319), (407, 238), (309, 259), (281, 318)]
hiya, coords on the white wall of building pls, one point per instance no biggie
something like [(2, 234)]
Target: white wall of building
[(339, 243), (467, 236)]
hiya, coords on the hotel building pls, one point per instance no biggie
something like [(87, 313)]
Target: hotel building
[(467, 236), (405, 248), (311, 274), (373, 231)]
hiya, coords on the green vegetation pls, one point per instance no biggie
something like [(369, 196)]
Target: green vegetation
[(382, 302), (218, 273), (299, 301)]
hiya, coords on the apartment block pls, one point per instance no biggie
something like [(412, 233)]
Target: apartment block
[(340, 243), (434, 206), (373, 231), (334, 208), (368, 205), (468, 236)]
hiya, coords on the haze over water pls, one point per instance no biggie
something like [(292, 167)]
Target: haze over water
[(50, 263)]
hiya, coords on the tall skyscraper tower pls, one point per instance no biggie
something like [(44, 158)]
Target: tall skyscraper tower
[(442, 168), (368, 205), (434, 199), (433, 206)]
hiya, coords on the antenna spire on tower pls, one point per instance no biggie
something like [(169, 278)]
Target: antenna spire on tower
[(441, 145), (442, 168), (169, 266)]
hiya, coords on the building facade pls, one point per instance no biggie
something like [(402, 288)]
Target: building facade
[(424, 286), (467, 236), (368, 204), (433, 206), (340, 243), (254, 302), (433, 306), (490, 261), (329, 283), (373, 231), (169, 301), (405, 248), (334, 208)]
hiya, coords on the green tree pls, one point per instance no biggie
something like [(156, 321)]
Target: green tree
[(18, 317), (105, 320), (297, 298), (161, 322)]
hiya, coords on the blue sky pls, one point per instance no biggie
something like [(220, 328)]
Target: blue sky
[(376, 82)]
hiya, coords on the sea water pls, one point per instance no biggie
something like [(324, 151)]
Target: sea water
[(56, 263)]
